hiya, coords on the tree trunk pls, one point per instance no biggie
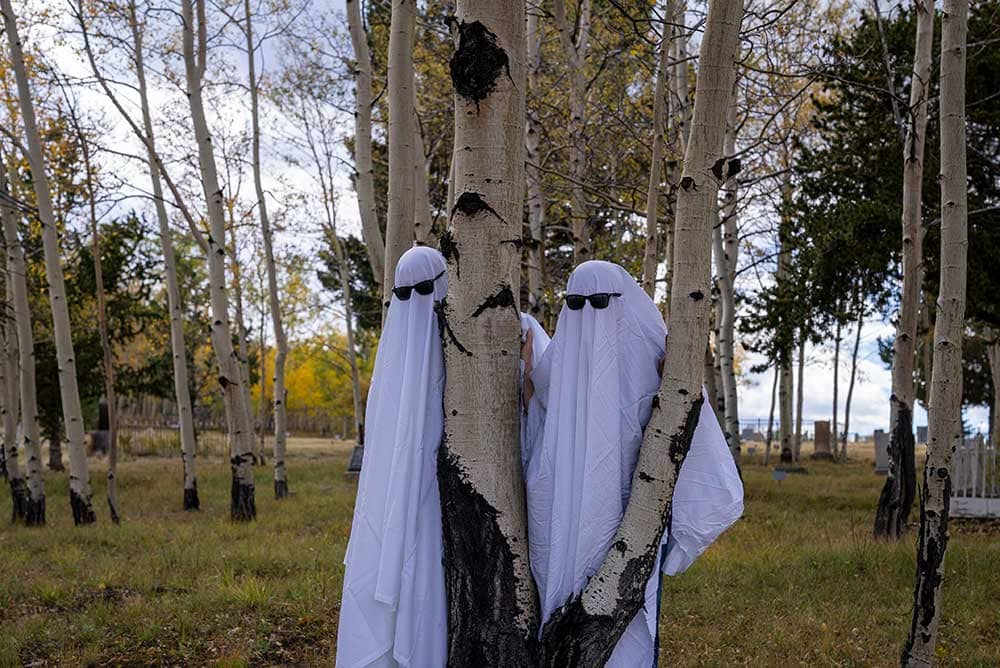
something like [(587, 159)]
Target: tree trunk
[(79, 481), (274, 302), (242, 337), (242, 504), (16, 272), (785, 388), (945, 416), (423, 221), (835, 433), (575, 40), (993, 353), (352, 355), (899, 489), (800, 394), (711, 387), (536, 196), (493, 606), (364, 178), (725, 250), (770, 417), (651, 258), (182, 393), (850, 384), (21, 501), (107, 355), (402, 152), (585, 631)]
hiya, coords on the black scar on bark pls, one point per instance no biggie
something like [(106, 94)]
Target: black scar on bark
[(472, 204), (242, 505), (575, 638), (717, 168), (899, 490), (19, 500), (930, 567), (191, 501), (687, 183), (477, 63), (735, 165), (82, 507), (449, 249), (479, 577), (35, 514), (502, 299), (280, 489), (444, 329), (697, 295)]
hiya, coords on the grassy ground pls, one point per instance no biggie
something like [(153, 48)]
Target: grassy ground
[(797, 581)]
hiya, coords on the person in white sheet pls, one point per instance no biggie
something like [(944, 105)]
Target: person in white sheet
[(393, 607), (593, 388), (534, 341), (393, 611)]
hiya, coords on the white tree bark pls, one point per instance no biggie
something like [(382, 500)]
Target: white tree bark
[(726, 250), (945, 411), (834, 431), (364, 178), (651, 258), (423, 221), (182, 393), (850, 384), (493, 606), (785, 388), (993, 353), (770, 417), (35, 512), (80, 492), (536, 195), (584, 632), (21, 501), (274, 302), (402, 151), (241, 441), (575, 40), (899, 490), (800, 393)]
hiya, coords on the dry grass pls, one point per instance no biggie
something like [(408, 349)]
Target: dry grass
[(797, 581)]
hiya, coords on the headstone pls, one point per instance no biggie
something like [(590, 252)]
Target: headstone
[(821, 443), (881, 452), (922, 434)]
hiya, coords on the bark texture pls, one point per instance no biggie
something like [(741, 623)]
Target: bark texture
[(651, 257), (79, 477), (584, 631), (945, 410), (241, 441), (574, 36), (402, 151), (28, 398), (178, 352), (536, 196), (274, 302), (364, 178), (897, 495), (493, 606)]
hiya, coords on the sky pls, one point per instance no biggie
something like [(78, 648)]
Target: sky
[(870, 405)]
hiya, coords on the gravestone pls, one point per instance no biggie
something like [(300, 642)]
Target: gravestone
[(922, 434), (881, 452), (821, 443)]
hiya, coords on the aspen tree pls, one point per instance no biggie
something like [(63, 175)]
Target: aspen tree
[(79, 477), (536, 196), (585, 631), (241, 441), (945, 409), (899, 490)]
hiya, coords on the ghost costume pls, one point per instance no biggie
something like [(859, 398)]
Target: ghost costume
[(594, 388), (393, 608), (531, 421)]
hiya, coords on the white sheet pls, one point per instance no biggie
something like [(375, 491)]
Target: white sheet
[(393, 610), (531, 421), (594, 386)]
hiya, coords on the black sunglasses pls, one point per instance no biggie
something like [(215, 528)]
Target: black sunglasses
[(403, 292), (599, 300)]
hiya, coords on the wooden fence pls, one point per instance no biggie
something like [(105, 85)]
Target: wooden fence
[(975, 477)]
